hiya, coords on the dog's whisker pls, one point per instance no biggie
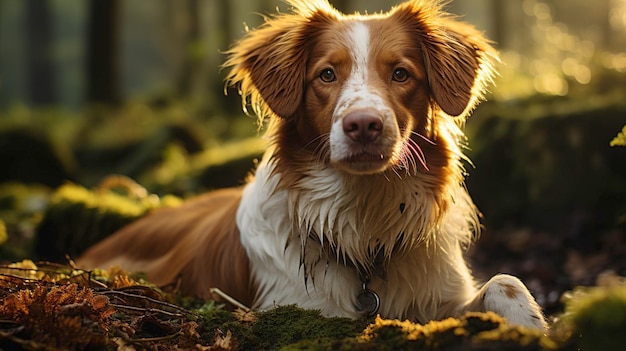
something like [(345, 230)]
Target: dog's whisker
[(417, 152), (395, 170), (321, 150), (423, 137), (409, 159)]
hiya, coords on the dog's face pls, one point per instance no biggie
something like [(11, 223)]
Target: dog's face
[(367, 91), (362, 93)]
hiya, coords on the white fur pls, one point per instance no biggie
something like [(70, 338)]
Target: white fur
[(328, 202), (508, 296), (358, 94)]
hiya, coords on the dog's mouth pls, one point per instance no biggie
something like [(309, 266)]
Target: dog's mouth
[(365, 142), (366, 157), (404, 155), (365, 162)]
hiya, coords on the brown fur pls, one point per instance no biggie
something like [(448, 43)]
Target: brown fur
[(196, 244)]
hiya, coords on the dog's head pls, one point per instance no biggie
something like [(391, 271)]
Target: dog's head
[(362, 93)]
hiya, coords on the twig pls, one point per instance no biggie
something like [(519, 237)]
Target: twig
[(98, 283), (230, 299), (149, 299), (143, 309), (23, 279), (156, 338)]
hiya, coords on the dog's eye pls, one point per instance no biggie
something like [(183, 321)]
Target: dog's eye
[(400, 75), (328, 75)]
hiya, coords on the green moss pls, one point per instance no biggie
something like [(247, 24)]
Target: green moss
[(286, 325), (3, 233), (620, 139), (213, 318), (20, 210), (325, 344), (597, 317), (473, 331), (77, 217), (514, 338)]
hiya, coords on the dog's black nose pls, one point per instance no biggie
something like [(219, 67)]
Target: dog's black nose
[(362, 126)]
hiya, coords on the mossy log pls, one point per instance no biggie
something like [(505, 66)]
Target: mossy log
[(77, 218), (546, 166)]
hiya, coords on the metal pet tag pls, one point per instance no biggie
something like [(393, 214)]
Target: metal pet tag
[(368, 302)]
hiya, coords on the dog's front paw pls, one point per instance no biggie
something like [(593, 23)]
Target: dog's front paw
[(508, 296)]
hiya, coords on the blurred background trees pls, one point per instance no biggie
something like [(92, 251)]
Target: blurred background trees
[(134, 87), (72, 52)]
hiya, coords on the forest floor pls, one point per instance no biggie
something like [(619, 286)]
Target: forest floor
[(57, 307)]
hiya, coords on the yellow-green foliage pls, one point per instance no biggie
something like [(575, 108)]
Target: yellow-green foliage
[(108, 201), (103, 202), (597, 317), (3, 232), (77, 217), (620, 139), (21, 206), (473, 331)]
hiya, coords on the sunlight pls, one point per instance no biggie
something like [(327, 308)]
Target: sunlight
[(615, 62), (617, 15), (551, 84)]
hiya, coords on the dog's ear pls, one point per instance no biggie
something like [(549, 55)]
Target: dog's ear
[(458, 64), (458, 58), (269, 63)]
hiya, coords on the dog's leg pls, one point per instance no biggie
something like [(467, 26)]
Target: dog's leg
[(508, 297)]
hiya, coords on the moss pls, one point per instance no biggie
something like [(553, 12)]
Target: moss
[(21, 206), (325, 344), (596, 317), (212, 316), (556, 162), (29, 155), (473, 331), (620, 139), (77, 217), (3, 233), (286, 325)]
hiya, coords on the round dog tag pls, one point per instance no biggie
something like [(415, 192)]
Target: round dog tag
[(368, 302)]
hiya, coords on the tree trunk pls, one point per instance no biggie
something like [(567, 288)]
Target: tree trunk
[(192, 58), (103, 59), (499, 23), (41, 78)]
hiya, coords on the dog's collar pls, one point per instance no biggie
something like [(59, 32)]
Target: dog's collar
[(367, 300)]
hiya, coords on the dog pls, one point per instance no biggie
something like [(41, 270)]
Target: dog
[(358, 206)]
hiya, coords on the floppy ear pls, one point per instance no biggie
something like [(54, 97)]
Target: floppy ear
[(269, 63), (457, 57), (457, 64), (269, 67)]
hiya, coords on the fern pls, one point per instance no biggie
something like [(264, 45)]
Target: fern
[(620, 139)]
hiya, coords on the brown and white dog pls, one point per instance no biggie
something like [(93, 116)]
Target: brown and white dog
[(359, 205)]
